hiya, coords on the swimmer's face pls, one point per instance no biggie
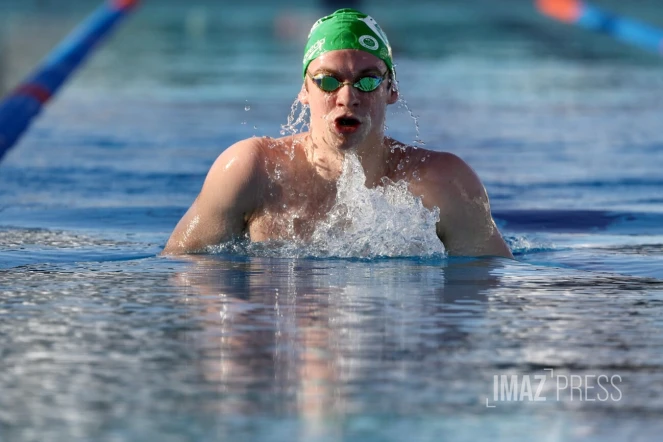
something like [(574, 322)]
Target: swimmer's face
[(348, 117)]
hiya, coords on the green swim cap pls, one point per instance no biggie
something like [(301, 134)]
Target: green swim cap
[(347, 29)]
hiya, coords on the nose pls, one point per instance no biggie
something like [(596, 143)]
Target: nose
[(347, 95)]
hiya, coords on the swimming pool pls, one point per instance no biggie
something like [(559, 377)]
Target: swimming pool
[(104, 340)]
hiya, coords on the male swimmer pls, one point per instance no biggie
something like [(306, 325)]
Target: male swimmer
[(277, 189)]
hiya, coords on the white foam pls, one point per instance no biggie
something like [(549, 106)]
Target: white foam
[(384, 221)]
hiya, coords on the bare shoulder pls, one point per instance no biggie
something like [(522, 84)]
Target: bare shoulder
[(466, 226), (450, 174), (241, 160), (247, 166), (443, 179)]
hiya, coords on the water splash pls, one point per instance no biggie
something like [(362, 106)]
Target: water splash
[(386, 221), (298, 122), (402, 104), (298, 119), (521, 244)]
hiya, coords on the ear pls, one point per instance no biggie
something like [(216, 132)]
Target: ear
[(303, 94), (393, 93)]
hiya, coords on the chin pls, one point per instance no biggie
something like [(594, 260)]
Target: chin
[(348, 141), (347, 144), (346, 147)]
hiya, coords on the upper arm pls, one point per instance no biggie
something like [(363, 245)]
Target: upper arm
[(230, 194), (466, 225)]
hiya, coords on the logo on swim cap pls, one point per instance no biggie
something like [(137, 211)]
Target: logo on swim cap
[(317, 46), (369, 42), (373, 25)]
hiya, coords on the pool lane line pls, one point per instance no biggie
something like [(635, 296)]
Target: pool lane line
[(23, 103), (592, 17)]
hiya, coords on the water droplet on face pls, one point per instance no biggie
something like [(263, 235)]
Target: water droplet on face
[(255, 127), (247, 108)]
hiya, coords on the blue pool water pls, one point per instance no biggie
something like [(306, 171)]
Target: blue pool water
[(102, 339)]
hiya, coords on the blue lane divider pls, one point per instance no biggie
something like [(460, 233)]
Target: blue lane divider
[(22, 104), (592, 17), (622, 28)]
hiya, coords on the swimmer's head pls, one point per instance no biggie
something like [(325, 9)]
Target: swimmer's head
[(347, 29)]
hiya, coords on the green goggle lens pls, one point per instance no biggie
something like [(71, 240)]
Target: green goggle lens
[(365, 84)]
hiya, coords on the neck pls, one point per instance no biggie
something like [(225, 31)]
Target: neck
[(373, 155)]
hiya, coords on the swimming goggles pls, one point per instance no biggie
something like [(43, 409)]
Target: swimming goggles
[(329, 83)]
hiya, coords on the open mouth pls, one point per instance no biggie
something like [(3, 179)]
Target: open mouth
[(347, 124)]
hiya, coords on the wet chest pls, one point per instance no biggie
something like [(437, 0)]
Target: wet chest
[(292, 208)]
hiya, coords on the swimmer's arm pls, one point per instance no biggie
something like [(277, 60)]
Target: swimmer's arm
[(466, 226), (230, 194)]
